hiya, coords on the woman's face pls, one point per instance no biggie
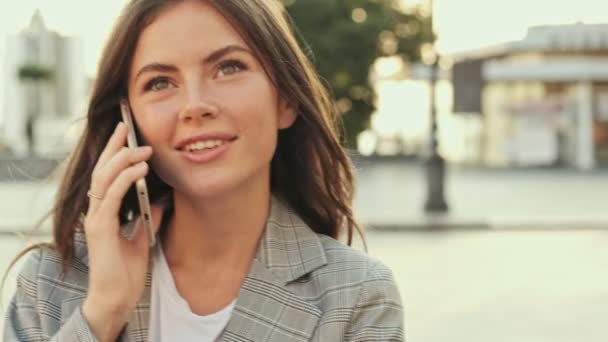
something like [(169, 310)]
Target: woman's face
[(203, 101)]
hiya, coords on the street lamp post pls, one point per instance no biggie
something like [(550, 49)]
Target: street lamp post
[(435, 202)]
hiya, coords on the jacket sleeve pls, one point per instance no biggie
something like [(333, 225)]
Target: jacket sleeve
[(378, 314), (23, 321)]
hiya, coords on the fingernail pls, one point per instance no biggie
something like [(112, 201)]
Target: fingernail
[(118, 126)]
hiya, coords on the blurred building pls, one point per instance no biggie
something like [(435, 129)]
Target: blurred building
[(400, 125), (544, 99), (56, 102)]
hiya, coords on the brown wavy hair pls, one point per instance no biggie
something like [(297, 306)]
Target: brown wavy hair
[(310, 169)]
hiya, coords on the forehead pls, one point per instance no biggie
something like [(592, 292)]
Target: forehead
[(185, 27)]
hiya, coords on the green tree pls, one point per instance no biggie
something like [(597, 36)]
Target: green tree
[(345, 37), (33, 76)]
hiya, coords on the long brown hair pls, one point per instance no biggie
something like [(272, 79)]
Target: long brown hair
[(310, 169)]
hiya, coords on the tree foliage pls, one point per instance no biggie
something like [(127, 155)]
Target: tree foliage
[(35, 73), (345, 37)]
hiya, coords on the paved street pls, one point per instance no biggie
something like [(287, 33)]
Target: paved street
[(499, 286), (394, 193)]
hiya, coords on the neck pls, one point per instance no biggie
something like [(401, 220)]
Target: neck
[(218, 231)]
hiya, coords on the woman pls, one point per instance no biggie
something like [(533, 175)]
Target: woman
[(250, 189)]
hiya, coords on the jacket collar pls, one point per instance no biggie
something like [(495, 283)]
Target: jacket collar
[(287, 251), (288, 247), (266, 309)]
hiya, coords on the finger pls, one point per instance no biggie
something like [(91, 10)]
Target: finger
[(117, 190), (109, 206), (116, 142), (103, 177), (124, 158), (94, 199)]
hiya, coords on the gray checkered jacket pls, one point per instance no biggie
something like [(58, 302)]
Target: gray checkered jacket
[(302, 286)]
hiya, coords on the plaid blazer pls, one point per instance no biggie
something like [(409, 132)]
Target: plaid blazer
[(302, 286)]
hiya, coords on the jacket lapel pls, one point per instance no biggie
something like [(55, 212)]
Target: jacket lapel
[(265, 309), (136, 329)]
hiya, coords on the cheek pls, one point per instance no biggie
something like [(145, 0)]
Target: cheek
[(259, 119), (262, 135), (154, 122)]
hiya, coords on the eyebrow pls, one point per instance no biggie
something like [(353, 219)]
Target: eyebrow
[(210, 59)]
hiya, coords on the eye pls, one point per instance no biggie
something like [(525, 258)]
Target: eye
[(230, 67), (157, 84)]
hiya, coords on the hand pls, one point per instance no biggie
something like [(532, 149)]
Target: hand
[(117, 267)]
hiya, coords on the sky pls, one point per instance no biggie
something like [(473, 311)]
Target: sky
[(460, 24), (89, 19)]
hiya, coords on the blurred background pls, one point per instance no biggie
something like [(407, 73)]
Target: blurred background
[(479, 130)]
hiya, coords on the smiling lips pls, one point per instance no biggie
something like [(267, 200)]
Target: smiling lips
[(203, 145), (206, 147), (204, 141)]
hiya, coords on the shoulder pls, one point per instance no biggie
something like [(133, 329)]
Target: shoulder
[(357, 263), (359, 291), (46, 299), (27, 278), (42, 272), (351, 273)]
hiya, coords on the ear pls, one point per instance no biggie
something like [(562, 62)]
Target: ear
[(287, 114)]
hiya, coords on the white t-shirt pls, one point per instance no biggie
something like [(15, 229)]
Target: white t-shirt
[(170, 316)]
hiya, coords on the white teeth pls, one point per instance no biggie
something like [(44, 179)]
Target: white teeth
[(202, 145)]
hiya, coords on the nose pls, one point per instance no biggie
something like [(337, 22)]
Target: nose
[(198, 108)]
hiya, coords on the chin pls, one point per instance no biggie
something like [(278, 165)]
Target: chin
[(214, 190), (219, 182), (217, 185)]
